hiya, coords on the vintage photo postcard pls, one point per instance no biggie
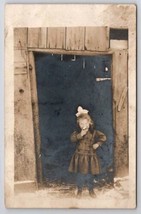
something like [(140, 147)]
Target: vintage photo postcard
[(70, 106)]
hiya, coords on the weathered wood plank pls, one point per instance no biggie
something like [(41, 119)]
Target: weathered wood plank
[(120, 111), (122, 99), (97, 38), (20, 56), (24, 157), (20, 68), (20, 61), (42, 37), (20, 38), (33, 37), (35, 110), (120, 72), (119, 44), (75, 38), (71, 52), (56, 37)]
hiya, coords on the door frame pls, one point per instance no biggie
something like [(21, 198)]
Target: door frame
[(34, 97)]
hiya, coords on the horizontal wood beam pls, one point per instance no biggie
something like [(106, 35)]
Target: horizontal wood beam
[(74, 52)]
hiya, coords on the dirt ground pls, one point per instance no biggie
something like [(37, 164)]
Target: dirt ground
[(118, 194), (117, 190)]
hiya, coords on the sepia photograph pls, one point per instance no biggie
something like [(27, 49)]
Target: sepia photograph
[(72, 132)]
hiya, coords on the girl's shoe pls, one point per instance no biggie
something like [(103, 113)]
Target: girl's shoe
[(79, 193), (92, 193)]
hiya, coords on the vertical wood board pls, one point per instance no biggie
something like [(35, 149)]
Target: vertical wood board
[(23, 131), (33, 37), (20, 38), (75, 38), (56, 37), (20, 61), (42, 37), (120, 99), (97, 38), (35, 110)]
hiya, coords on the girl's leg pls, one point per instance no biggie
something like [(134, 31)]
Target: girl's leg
[(90, 181), (80, 180), (90, 185)]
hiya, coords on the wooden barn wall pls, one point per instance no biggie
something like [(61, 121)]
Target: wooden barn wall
[(120, 111), (69, 39), (24, 136)]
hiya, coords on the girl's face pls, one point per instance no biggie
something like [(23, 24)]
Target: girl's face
[(84, 123)]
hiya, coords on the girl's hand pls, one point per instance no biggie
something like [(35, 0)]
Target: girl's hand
[(83, 132), (96, 145)]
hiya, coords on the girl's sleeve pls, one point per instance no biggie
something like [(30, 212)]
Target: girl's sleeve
[(100, 138), (75, 137)]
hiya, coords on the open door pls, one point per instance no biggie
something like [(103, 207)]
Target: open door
[(63, 83)]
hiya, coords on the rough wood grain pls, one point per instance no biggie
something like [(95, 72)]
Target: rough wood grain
[(20, 56), (97, 38), (75, 38), (120, 120), (42, 37), (56, 37), (20, 68), (20, 38), (23, 131), (20, 61), (119, 44), (33, 37), (122, 99), (35, 110), (71, 52)]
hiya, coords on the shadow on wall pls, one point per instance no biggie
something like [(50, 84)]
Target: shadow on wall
[(63, 83)]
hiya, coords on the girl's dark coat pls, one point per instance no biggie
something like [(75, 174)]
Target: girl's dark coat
[(85, 159)]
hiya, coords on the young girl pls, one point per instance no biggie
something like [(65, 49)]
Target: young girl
[(85, 162)]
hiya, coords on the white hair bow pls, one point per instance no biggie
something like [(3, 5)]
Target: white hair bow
[(80, 111)]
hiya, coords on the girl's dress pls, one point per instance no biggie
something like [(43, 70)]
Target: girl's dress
[(85, 159)]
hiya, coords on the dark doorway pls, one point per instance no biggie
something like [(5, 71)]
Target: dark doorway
[(63, 83)]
